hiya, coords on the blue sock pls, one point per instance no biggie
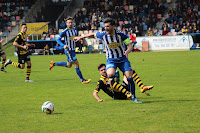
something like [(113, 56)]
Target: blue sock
[(131, 86), (60, 64), (78, 72)]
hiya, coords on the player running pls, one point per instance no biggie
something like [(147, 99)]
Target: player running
[(23, 57), (69, 33), (116, 56), (3, 55)]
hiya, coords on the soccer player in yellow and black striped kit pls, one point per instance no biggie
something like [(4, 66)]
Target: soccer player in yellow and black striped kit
[(23, 57), (3, 55), (118, 91)]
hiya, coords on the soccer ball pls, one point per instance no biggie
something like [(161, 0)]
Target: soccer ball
[(48, 107)]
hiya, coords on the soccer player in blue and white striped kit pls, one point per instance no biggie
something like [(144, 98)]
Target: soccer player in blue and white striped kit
[(116, 56), (69, 33)]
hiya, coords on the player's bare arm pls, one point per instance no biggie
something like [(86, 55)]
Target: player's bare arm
[(30, 45), (1, 40), (78, 38), (96, 96), (129, 49)]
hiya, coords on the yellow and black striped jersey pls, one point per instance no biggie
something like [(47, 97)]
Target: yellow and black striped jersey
[(118, 90), (21, 40), (46, 48), (104, 84)]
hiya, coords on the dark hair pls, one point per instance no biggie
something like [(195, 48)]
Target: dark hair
[(68, 18), (100, 66), (109, 20), (23, 24)]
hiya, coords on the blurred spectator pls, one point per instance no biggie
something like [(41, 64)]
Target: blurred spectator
[(94, 17), (58, 49), (46, 50), (150, 32), (136, 31), (177, 29), (133, 37), (165, 31), (42, 19), (80, 45), (33, 19), (156, 32), (62, 25), (184, 30), (50, 31), (190, 30), (48, 37)]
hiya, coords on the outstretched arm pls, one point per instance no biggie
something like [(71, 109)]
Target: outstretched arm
[(30, 45), (95, 94), (78, 38)]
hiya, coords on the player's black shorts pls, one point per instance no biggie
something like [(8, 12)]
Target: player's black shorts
[(23, 58), (120, 96), (2, 53)]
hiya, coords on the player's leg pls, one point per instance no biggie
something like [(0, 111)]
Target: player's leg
[(131, 86), (117, 76), (20, 64), (65, 64), (126, 68), (78, 72), (110, 69), (3, 62), (119, 88), (137, 79), (28, 71)]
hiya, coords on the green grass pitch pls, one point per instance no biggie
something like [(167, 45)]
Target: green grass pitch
[(174, 104)]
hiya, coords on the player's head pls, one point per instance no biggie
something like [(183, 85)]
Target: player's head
[(24, 27), (102, 69), (109, 24), (69, 22)]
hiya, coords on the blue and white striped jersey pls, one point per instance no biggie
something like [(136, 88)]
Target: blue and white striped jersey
[(68, 37), (114, 43)]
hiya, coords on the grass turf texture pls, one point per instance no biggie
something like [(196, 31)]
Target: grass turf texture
[(172, 107)]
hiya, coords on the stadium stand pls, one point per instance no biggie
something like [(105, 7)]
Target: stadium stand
[(184, 18), (11, 11), (130, 14), (138, 17)]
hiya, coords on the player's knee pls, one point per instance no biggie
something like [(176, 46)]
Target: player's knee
[(69, 65), (4, 57), (22, 66)]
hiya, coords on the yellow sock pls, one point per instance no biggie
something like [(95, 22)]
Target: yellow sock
[(28, 72), (137, 79), (2, 63), (15, 64)]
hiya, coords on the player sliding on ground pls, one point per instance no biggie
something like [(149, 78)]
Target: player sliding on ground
[(3, 55), (23, 57), (69, 33), (120, 91), (116, 56)]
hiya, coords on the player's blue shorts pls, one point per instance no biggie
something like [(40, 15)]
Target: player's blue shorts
[(122, 63), (71, 55)]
